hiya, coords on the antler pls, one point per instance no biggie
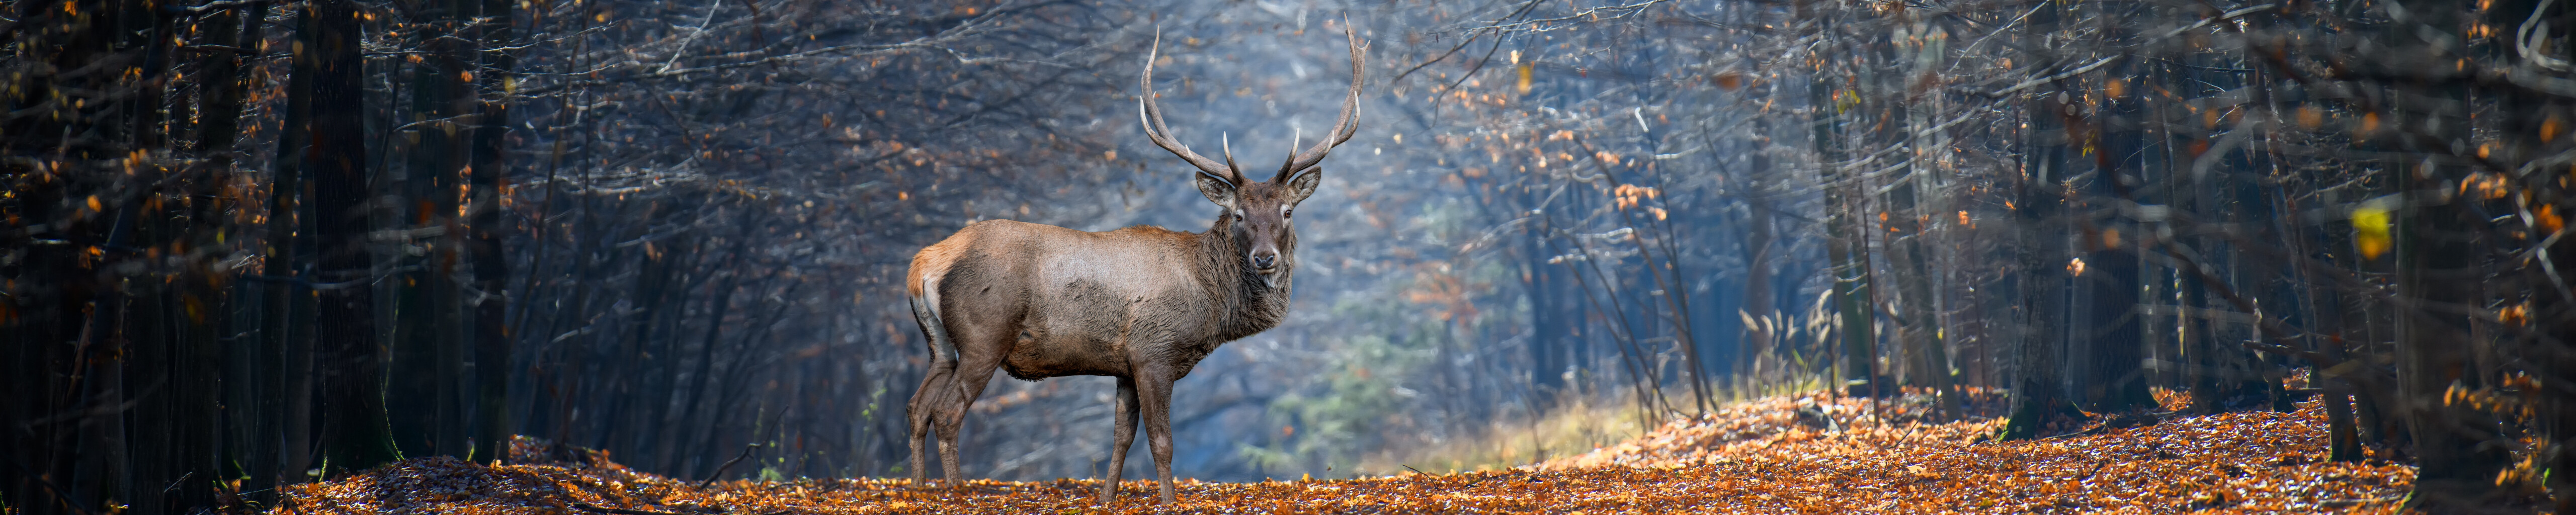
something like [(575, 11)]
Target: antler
[(1343, 129), (1152, 116)]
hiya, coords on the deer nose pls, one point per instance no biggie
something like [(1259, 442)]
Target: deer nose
[(1264, 260)]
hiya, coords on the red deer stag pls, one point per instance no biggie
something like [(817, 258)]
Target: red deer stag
[(1142, 304)]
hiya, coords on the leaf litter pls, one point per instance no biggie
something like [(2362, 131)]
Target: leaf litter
[(1789, 454)]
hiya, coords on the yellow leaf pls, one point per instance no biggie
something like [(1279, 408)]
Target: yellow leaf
[(2370, 231)]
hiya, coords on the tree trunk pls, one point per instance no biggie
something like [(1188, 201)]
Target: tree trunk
[(1758, 312), (2458, 449), (1927, 361), (706, 360), (2557, 314), (491, 268), (290, 230), (1847, 251), (2437, 271), (1548, 330), (2115, 382), (2037, 400), (254, 377), (355, 432), (2560, 457), (429, 345)]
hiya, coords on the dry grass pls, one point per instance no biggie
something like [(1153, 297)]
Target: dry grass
[(1578, 425)]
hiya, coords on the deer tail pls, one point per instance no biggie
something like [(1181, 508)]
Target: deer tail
[(925, 311)]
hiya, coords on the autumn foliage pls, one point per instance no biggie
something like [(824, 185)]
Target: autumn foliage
[(1789, 454)]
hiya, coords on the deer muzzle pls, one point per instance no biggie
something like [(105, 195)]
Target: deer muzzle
[(1265, 261)]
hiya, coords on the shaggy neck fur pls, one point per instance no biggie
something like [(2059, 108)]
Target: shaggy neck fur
[(1249, 302)]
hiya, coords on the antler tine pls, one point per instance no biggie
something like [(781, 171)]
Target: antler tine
[(1297, 137), (1343, 129), (1227, 141), (1152, 116)]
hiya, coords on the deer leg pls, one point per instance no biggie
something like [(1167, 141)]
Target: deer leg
[(948, 460), (1157, 401), (974, 371), (926, 401), (1123, 416)]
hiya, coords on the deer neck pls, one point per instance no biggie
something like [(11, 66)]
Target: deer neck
[(1247, 301)]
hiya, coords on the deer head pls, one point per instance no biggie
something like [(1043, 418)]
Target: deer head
[(1259, 212)]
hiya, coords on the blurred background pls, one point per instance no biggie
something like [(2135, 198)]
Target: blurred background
[(264, 241)]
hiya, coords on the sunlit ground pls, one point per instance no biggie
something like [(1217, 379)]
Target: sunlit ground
[(1789, 454)]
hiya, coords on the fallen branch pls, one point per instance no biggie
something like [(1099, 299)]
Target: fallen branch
[(2119, 422), (720, 469)]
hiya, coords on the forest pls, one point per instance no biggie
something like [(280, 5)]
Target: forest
[(548, 257)]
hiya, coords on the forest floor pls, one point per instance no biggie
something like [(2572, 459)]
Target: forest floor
[(1792, 454)]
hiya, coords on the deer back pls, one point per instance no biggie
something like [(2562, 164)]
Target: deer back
[(1067, 302)]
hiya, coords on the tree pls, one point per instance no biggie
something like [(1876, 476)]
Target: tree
[(355, 432)]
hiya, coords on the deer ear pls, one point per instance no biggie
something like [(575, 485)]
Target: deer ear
[(1303, 184), (1217, 190)]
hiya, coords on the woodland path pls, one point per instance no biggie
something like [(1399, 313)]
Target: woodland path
[(1804, 454)]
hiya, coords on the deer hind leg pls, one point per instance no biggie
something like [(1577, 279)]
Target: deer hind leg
[(925, 402), (1123, 418), (943, 370), (981, 353)]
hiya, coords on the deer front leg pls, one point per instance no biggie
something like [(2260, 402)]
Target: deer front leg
[(1157, 401), (1123, 418)]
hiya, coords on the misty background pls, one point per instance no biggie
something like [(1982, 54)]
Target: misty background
[(270, 241)]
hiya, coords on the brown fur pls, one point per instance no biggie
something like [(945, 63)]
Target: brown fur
[(1097, 291), (1142, 304)]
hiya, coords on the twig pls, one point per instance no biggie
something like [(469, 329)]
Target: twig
[(219, 48), (720, 469), (2053, 78), (227, 4), (2228, 16), (693, 37), (1471, 39), (1616, 11), (583, 506), (2339, 503), (2118, 422)]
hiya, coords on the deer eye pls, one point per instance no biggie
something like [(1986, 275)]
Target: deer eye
[(1287, 212)]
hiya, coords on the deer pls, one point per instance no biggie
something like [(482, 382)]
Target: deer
[(1142, 304)]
